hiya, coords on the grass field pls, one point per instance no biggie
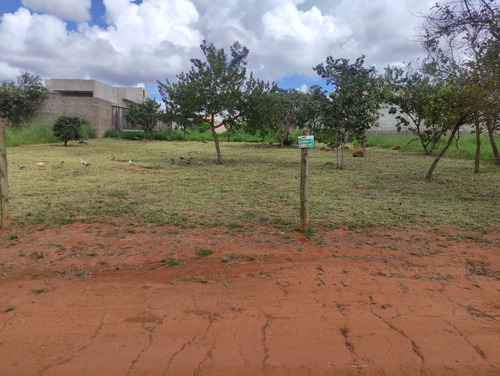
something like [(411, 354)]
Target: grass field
[(254, 185)]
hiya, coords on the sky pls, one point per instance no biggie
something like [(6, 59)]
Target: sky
[(137, 42)]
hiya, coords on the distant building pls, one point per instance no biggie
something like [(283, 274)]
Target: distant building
[(102, 105)]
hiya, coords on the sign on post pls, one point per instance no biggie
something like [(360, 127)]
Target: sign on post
[(306, 142)]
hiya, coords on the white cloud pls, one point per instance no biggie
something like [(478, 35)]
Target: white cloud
[(74, 10), (155, 39)]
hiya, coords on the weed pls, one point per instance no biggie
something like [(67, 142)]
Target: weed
[(203, 252), (120, 194), (251, 258), (282, 221), (13, 237), (308, 233), (247, 216), (234, 224), (92, 253), (38, 255), (8, 309), (171, 262), (130, 230), (229, 258), (213, 223), (263, 219), (40, 291), (82, 273)]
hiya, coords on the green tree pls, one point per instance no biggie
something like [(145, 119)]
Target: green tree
[(145, 115), (68, 128), (323, 122), (409, 92), (357, 96), (211, 91), (470, 32), (20, 100), (275, 112)]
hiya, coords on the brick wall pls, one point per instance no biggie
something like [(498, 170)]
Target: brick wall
[(97, 111)]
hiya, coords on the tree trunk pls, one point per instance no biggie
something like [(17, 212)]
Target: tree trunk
[(151, 133), (184, 130), (364, 148), (344, 142), (478, 147), (491, 127), (457, 146), (4, 183), (229, 136), (216, 139), (441, 153)]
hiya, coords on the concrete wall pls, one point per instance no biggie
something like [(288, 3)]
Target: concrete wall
[(387, 123), (97, 111), (89, 99)]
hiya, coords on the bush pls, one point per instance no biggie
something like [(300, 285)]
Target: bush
[(68, 128)]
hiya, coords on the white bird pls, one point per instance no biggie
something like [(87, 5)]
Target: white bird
[(21, 166), (41, 164), (129, 161), (86, 164)]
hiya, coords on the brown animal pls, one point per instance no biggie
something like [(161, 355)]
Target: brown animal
[(358, 154)]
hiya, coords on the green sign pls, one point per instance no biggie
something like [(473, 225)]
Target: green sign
[(306, 142)]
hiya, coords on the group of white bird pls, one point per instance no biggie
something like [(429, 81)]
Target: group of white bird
[(86, 164)]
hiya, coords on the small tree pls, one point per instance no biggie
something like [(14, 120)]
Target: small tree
[(211, 90), (357, 97), (145, 115), (19, 101), (409, 93), (68, 128)]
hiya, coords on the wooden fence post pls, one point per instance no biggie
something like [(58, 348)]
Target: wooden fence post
[(304, 206), (4, 184)]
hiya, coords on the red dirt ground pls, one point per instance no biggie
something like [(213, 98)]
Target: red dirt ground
[(101, 301)]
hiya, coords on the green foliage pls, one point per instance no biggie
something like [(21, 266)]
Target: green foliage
[(202, 252), (353, 106), (410, 92), (20, 100), (166, 134), (275, 112), (67, 128), (31, 132), (145, 116), (211, 89), (171, 262)]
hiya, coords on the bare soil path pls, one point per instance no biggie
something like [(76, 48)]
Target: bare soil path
[(117, 299)]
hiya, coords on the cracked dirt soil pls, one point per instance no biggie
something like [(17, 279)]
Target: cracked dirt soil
[(110, 299)]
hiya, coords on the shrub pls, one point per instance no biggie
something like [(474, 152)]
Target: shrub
[(68, 128)]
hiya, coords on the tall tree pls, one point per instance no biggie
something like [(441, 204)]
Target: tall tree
[(472, 28), (20, 100), (357, 96), (211, 90)]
